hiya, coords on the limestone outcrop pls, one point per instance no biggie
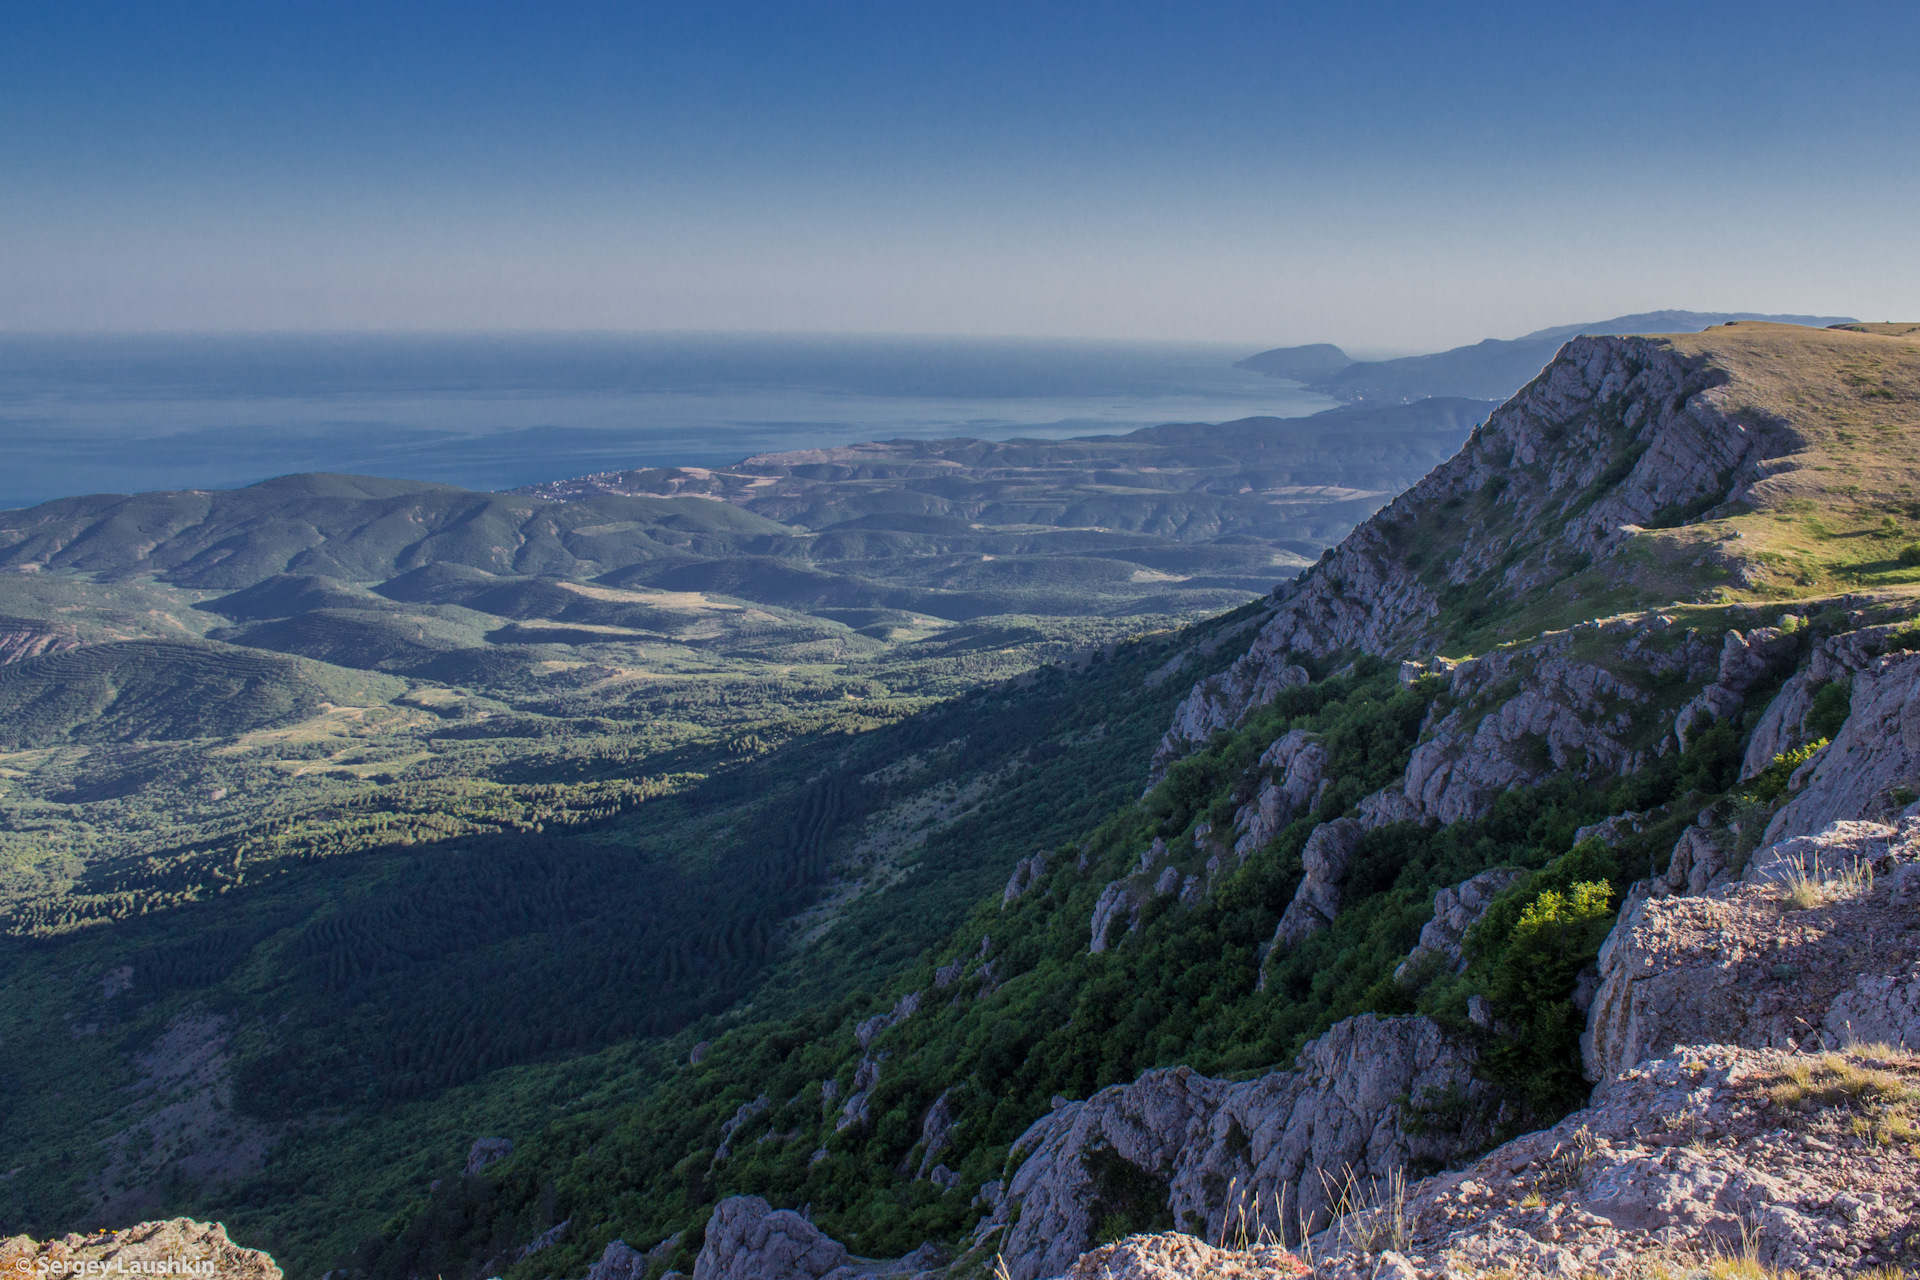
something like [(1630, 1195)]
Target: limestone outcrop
[(189, 1248), (1837, 658), (1455, 910), (1293, 772), (1714, 1152), (748, 1239), (1517, 717), (1026, 874), (1745, 661), (1705, 1153), (1339, 1108), (1326, 855), (1765, 961), (486, 1151), (1872, 767), (1220, 702)]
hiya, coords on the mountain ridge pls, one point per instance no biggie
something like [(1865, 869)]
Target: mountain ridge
[(1493, 368)]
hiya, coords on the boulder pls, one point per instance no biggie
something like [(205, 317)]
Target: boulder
[(1882, 1008), (486, 1151), (620, 1261), (748, 1239)]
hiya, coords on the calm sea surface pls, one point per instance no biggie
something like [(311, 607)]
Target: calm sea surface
[(125, 414)]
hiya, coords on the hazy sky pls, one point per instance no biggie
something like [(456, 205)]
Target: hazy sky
[(1380, 175)]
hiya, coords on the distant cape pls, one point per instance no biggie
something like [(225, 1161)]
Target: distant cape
[(1489, 370)]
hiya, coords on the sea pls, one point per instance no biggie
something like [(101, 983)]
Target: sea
[(132, 413)]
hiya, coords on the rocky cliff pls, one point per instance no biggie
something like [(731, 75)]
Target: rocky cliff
[(1614, 478)]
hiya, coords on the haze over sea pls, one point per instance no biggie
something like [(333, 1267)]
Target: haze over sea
[(89, 414)]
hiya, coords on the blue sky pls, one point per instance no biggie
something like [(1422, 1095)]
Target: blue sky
[(1388, 176)]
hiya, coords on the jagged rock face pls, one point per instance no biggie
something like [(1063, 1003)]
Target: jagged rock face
[(1743, 964), (1220, 702), (1117, 901), (1745, 661), (748, 1239), (1455, 910), (1698, 863), (743, 1113), (1338, 1109), (1295, 773), (1327, 856), (1873, 758), (1520, 716), (1529, 492), (1026, 873), (1782, 726), (1687, 1161), (148, 1248), (936, 1133), (1686, 1158)]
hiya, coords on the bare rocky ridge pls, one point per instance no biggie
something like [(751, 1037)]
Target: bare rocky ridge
[(1615, 433)]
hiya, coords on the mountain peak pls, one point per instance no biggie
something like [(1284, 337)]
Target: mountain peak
[(1752, 461)]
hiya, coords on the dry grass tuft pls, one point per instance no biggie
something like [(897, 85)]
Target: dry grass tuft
[(1804, 892), (1885, 1104)]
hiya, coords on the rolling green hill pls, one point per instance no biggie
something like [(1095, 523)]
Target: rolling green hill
[(166, 691)]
